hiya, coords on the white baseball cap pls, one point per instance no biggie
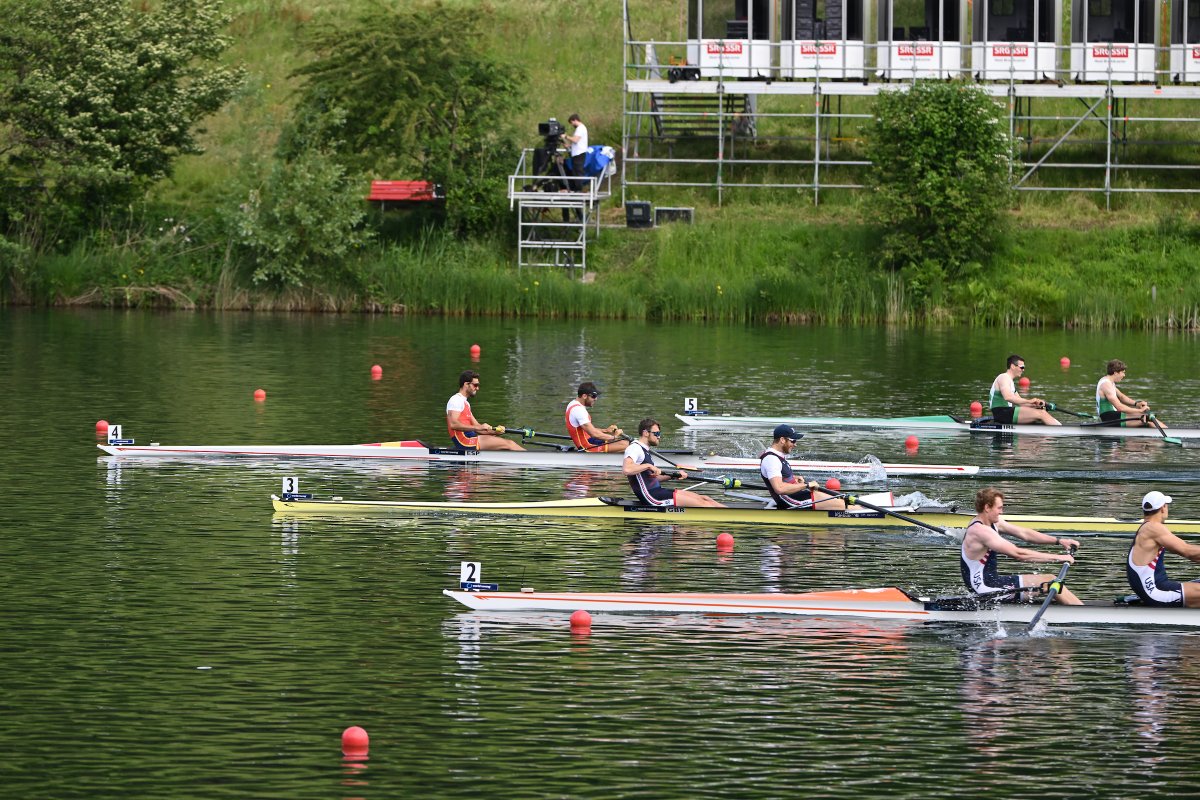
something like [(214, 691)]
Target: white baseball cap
[(1153, 501)]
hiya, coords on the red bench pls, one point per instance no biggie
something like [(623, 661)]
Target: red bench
[(406, 192)]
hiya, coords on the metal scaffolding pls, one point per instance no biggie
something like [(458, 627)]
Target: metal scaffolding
[(718, 133), (552, 220)]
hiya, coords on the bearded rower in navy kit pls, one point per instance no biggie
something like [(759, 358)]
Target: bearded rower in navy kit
[(788, 490), (643, 475), (983, 542)]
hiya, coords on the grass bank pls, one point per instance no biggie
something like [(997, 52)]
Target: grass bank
[(760, 257), (741, 268)]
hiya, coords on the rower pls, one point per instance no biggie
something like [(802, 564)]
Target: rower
[(586, 436), (466, 432), (1008, 407), (643, 475), (1145, 569), (983, 542), (788, 489), (1112, 405)]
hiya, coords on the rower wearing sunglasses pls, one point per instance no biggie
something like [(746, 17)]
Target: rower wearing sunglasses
[(643, 475), (1008, 407), (466, 432), (789, 490), (584, 433)]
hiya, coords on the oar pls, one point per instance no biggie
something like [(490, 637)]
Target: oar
[(1168, 439), (529, 433), (1055, 588), (727, 483), (852, 500), (1056, 407)]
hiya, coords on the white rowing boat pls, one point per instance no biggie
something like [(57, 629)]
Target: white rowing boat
[(943, 422), (417, 451), (887, 603), (611, 508)]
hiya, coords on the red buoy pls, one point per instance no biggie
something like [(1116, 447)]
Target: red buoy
[(475, 351), (912, 443), (581, 620), (260, 395), (102, 426), (376, 372), (355, 741), (1023, 383), (976, 409), (725, 541), (833, 484), (1064, 362)]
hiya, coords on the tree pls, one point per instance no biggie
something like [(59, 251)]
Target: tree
[(97, 99), (421, 99), (940, 175)]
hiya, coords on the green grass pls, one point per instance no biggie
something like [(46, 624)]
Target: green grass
[(759, 256)]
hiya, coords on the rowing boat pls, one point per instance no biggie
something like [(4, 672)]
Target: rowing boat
[(943, 422), (612, 508), (885, 603), (416, 451)]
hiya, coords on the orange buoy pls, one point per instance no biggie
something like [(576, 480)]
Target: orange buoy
[(833, 484), (912, 443), (102, 426), (376, 372), (976, 409), (725, 541), (355, 741), (1064, 362), (475, 351), (581, 620), (260, 395), (1023, 383)]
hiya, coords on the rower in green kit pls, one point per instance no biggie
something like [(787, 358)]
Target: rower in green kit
[(1008, 407), (1113, 405)]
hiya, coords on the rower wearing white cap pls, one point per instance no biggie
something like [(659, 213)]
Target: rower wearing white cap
[(788, 489), (1145, 568)]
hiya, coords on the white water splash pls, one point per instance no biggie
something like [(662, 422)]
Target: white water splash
[(877, 474)]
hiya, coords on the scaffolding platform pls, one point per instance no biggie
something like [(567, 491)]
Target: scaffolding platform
[(553, 222)]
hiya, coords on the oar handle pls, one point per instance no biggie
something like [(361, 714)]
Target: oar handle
[(529, 433), (1080, 414), (723, 481)]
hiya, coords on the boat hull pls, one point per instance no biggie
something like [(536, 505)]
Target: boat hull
[(932, 423), (595, 508), (531, 458), (885, 603)]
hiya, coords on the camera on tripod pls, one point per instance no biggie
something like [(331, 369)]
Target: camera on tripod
[(547, 165), (552, 132)]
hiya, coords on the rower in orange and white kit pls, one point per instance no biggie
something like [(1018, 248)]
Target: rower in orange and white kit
[(466, 432), (584, 433)]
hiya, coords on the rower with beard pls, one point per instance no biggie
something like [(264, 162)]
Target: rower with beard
[(643, 474), (584, 433), (788, 489), (466, 432)]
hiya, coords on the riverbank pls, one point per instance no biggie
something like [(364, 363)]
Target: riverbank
[(744, 266), (763, 256)]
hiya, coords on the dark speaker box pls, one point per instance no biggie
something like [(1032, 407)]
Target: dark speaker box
[(637, 214)]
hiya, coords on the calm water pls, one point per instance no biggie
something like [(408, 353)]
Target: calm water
[(163, 636)]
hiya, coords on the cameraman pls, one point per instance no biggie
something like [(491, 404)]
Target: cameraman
[(578, 148)]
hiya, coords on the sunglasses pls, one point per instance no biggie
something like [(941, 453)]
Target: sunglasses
[(593, 395), (656, 433), (475, 385), (1020, 366)]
